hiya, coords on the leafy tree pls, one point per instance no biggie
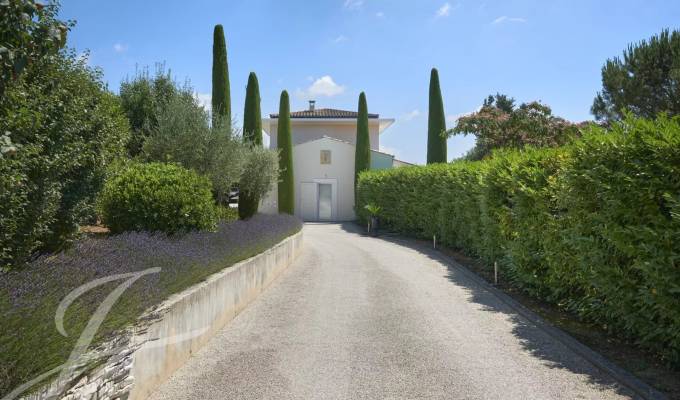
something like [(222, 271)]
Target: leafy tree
[(143, 98), (29, 31), (221, 97), (362, 156), (183, 135), (252, 135), (66, 129), (499, 124), (284, 142), (646, 81), (436, 123)]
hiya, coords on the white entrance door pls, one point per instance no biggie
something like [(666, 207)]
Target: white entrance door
[(308, 201), (319, 200), (325, 195)]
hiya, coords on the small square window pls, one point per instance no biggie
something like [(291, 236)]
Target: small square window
[(325, 156)]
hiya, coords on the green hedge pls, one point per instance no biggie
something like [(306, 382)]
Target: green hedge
[(157, 197), (593, 227)]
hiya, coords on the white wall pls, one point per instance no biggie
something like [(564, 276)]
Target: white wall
[(307, 167), (304, 131)]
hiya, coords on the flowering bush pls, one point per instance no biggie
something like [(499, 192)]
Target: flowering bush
[(29, 343)]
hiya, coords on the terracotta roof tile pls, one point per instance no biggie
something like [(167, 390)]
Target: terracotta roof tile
[(324, 113)]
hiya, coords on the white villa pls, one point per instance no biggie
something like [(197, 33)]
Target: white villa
[(323, 161)]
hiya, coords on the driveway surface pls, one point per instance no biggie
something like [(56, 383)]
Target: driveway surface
[(356, 317)]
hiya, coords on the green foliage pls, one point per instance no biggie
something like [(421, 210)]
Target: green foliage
[(284, 142), (593, 226), (65, 130), (252, 135), (498, 124), (644, 81), (183, 135), (157, 197), (372, 209), (362, 156), (436, 123), (29, 31), (143, 98), (221, 96)]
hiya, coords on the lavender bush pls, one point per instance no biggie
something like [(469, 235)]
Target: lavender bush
[(29, 342)]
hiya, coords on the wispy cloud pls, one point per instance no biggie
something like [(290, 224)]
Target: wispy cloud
[(444, 11), (505, 18), (120, 48), (353, 4), (411, 115), (380, 14), (340, 39), (324, 86)]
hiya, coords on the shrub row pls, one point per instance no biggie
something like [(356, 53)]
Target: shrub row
[(30, 344), (593, 227)]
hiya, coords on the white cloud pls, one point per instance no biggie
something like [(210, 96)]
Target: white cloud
[(444, 10), (505, 18), (120, 48), (353, 4), (340, 39), (204, 99), (411, 115), (380, 14), (324, 86)]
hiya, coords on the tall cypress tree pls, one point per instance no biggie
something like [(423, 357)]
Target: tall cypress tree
[(362, 157), (252, 134), (221, 98), (284, 143), (436, 124)]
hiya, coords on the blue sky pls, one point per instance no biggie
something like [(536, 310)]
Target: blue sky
[(332, 50)]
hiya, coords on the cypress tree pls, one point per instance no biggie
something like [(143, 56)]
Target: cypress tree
[(221, 98), (436, 123), (284, 143), (362, 157), (252, 134)]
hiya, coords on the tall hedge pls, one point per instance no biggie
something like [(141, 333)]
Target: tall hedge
[(252, 134), (436, 122), (221, 97), (593, 227), (65, 128), (362, 156), (284, 142)]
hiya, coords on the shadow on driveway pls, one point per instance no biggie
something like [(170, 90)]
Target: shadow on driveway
[(538, 337)]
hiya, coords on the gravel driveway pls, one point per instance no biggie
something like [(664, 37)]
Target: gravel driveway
[(366, 318)]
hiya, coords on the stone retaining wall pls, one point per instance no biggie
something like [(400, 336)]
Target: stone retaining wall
[(145, 355)]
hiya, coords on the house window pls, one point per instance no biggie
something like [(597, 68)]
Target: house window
[(325, 156)]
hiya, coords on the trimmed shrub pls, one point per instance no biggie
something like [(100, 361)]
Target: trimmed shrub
[(436, 122), (593, 227), (248, 202), (157, 197), (221, 96), (284, 142), (362, 150)]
